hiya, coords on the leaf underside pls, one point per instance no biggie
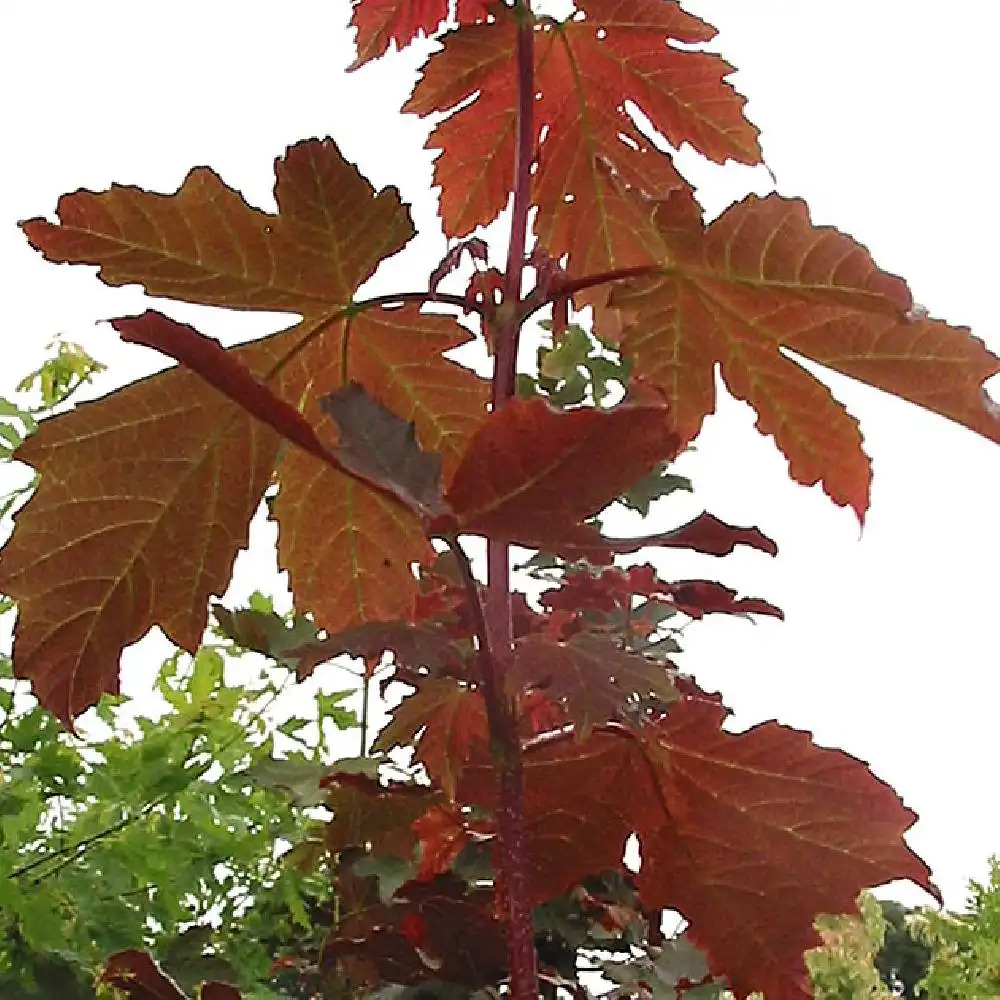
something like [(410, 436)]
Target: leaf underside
[(156, 531), (748, 835)]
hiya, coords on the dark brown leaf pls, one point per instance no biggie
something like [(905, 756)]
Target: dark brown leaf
[(589, 675), (380, 448)]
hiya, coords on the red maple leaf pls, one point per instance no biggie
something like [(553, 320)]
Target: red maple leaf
[(589, 676), (722, 819), (155, 556), (443, 832), (762, 280), (532, 474), (587, 70), (436, 930), (381, 23), (613, 589), (445, 720)]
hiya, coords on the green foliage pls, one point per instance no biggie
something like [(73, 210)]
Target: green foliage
[(61, 375), (155, 825), (151, 832), (903, 960), (965, 947), (844, 968), (57, 379)]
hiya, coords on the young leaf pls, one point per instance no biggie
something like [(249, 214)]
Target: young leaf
[(587, 70), (589, 675), (654, 486), (705, 533), (224, 371), (266, 632), (297, 778), (762, 278), (300, 646), (697, 598), (446, 720)]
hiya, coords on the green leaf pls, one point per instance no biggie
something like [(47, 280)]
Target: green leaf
[(206, 674), (654, 486), (261, 603), (296, 777), (329, 707)]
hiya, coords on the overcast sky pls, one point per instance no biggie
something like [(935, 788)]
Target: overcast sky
[(875, 111)]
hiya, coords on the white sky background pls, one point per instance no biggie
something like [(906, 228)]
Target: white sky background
[(875, 111)]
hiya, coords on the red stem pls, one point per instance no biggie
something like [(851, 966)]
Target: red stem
[(512, 867), (565, 289)]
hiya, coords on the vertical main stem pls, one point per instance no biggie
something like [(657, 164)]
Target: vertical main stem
[(512, 874), (365, 706)]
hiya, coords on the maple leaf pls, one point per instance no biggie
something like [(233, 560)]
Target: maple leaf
[(446, 720), (136, 975), (613, 590), (414, 647), (219, 991), (697, 598), (374, 444), (380, 23), (587, 70), (118, 538), (158, 529), (438, 930), (269, 634), (749, 835), (762, 279), (396, 355), (533, 474), (205, 244), (443, 832), (224, 371), (589, 675), (704, 533), (370, 815)]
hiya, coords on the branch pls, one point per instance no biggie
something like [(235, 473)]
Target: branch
[(505, 748), (444, 298), (484, 310), (507, 337), (569, 287), (497, 709), (365, 704), (71, 852), (471, 586)]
